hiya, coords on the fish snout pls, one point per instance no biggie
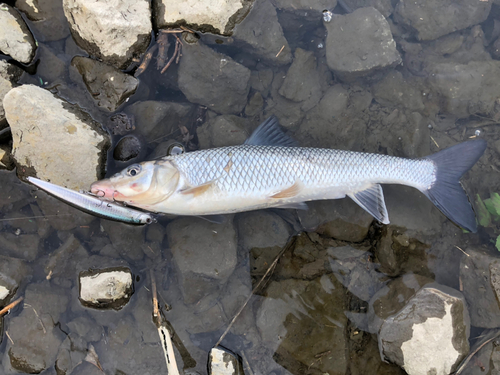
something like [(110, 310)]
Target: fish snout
[(102, 190)]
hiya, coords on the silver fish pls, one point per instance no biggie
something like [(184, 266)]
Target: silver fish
[(269, 171), (94, 205)]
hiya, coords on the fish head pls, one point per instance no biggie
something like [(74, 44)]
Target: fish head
[(140, 185)]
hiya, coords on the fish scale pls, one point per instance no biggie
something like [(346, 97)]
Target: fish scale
[(247, 169)]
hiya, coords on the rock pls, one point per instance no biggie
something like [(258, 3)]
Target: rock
[(56, 140), (9, 75), (35, 332), (203, 253), (47, 19), (24, 246), (16, 39), (12, 272), (360, 43), (300, 319), (223, 362), (436, 316), (481, 287), (316, 7), (431, 19), (260, 80), (341, 219), (395, 91), (356, 271), (107, 85), (255, 105), (212, 79), (126, 239), (112, 30), (302, 81), (226, 130), (465, 90), (383, 6), (260, 33), (127, 148), (121, 123), (106, 288), (217, 17), (156, 120)]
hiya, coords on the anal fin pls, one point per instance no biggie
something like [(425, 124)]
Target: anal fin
[(372, 201)]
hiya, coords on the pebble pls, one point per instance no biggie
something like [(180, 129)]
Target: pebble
[(16, 40), (127, 148)]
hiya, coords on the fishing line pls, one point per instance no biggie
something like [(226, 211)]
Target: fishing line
[(34, 217)]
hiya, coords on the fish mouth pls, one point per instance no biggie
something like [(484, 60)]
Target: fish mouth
[(103, 191)]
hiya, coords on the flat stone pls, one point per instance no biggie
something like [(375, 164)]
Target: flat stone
[(54, 139), (260, 33), (223, 362), (437, 316), (204, 253), (360, 43), (215, 16), (9, 75), (106, 288), (430, 19), (16, 39), (479, 276), (108, 86), (225, 130), (212, 79), (466, 89), (114, 31), (12, 272)]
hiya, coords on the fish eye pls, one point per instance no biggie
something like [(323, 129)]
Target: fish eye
[(134, 170)]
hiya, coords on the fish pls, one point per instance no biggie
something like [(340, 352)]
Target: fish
[(270, 170), (94, 205)]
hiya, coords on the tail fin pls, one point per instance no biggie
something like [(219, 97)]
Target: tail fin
[(447, 193)]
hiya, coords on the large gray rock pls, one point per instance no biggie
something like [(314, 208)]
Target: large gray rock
[(260, 33), (57, 141), (225, 130), (212, 79), (16, 39), (34, 333), (112, 30), (360, 43), (216, 16), (430, 19), (47, 18), (204, 253), (108, 86), (299, 319), (479, 273), (466, 89), (430, 334), (9, 74)]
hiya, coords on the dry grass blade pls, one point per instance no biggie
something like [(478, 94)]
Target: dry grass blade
[(489, 337), (271, 267)]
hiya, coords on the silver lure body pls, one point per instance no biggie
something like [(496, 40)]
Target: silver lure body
[(94, 205), (248, 177)]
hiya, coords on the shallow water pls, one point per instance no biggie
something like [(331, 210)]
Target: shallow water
[(308, 315)]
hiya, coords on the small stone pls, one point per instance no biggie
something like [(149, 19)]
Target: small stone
[(108, 86), (437, 316), (360, 43), (127, 148), (121, 123), (9, 75), (430, 19), (57, 140), (223, 362), (16, 39), (106, 288), (212, 79), (218, 17)]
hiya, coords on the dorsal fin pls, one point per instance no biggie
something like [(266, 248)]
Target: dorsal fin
[(270, 133)]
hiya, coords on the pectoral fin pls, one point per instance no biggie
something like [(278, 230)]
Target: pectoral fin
[(372, 200), (198, 190), (289, 192)]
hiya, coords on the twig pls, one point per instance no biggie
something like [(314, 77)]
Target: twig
[(271, 267), (164, 333), (11, 341), (145, 61), (172, 58), (462, 251), (281, 50), (11, 305), (474, 352)]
